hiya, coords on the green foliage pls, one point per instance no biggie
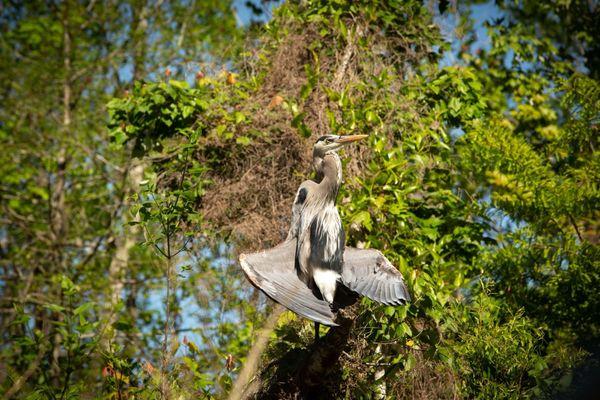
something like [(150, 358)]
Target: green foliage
[(154, 112), (498, 357), (78, 297), (479, 181), (456, 96), (76, 323)]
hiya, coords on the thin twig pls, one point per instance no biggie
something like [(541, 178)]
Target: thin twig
[(575, 226)]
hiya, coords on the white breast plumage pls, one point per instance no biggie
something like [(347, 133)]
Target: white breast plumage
[(328, 231)]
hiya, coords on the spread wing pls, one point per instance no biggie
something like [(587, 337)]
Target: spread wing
[(369, 273), (273, 271)]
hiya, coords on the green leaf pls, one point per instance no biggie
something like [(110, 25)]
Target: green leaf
[(243, 140), (239, 117), (298, 119), (55, 307), (363, 218), (179, 84), (410, 362), (83, 308), (370, 116)]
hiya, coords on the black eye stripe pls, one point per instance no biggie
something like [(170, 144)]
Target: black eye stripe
[(326, 138)]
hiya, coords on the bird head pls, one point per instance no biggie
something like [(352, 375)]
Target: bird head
[(329, 143)]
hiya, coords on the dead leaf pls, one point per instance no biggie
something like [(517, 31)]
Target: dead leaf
[(231, 78), (148, 367), (229, 362), (275, 101)]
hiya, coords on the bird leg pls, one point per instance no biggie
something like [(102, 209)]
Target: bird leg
[(317, 326)]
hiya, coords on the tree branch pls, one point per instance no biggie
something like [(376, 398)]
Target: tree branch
[(19, 382), (240, 389), (304, 372)]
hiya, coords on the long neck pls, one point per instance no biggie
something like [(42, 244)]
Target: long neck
[(318, 167), (331, 171)]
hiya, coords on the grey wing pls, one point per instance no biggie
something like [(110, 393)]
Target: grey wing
[(273, 271), (368, 273)]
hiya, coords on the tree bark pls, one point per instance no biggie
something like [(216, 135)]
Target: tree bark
[(139, 26), (58, 212), (123, 243)]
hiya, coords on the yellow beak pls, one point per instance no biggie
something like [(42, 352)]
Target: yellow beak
[(351, 138)]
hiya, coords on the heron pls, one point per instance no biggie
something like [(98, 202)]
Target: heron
[(312, 271)]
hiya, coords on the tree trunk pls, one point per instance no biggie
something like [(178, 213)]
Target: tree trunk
[(124, 242), (58, 214), (139, 26)]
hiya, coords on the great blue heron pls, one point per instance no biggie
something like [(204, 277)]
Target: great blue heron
[(305, 272)]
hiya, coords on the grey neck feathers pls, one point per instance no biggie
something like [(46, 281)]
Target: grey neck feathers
[(318, 167), (329, 170)]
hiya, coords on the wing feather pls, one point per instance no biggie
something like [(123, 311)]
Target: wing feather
[(273, 272), (370, 274), (297, 206), (388, 296)]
